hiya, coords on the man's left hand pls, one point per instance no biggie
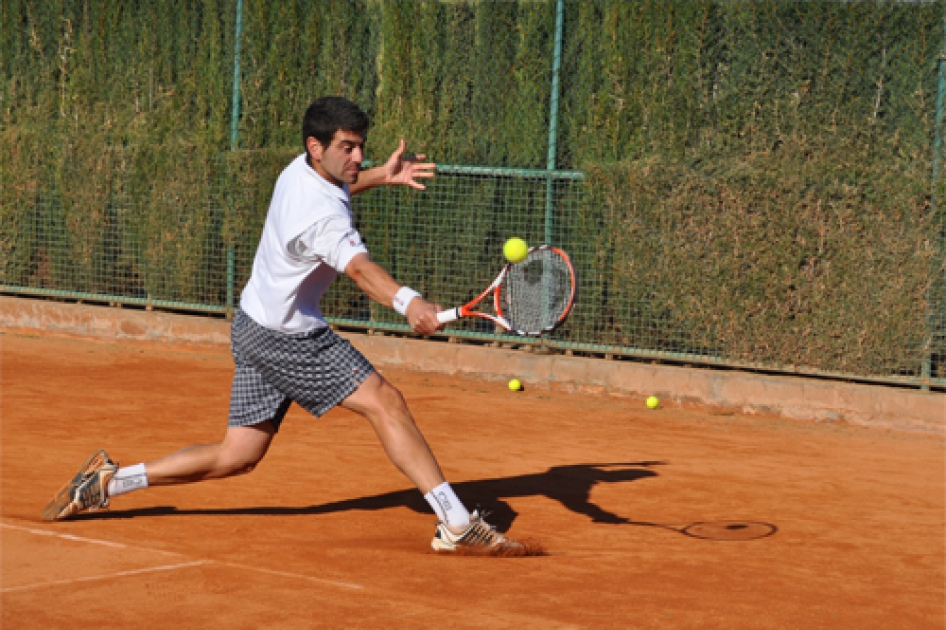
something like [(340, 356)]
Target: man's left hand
[(405, 170)]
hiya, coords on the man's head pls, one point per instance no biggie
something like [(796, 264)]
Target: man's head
[(333, 132)]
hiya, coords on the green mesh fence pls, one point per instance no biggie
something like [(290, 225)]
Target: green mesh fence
[(739, 183)]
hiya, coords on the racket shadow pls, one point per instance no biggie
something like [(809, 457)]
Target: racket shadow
[(569, 485)]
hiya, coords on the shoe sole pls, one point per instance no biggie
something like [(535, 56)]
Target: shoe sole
[(438, 544), (56, 509), (497, 551)]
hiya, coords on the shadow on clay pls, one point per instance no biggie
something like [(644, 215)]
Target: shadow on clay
[(569, 485)]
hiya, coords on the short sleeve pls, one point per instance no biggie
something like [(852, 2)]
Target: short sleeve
[(333, 241)]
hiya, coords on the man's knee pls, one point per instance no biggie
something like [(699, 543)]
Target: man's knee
[(378, 395), (243, 448), (232, 464), (377, 400), (392, 395), (389, 401), (243, 468)]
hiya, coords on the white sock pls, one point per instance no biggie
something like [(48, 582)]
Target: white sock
[(127, 479), (447, 506)]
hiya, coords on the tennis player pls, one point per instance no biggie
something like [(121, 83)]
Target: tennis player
[(284, 350)]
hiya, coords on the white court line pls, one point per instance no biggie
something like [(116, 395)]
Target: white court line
[(91, 541), (110, 576), (294, 575), (107, 543)]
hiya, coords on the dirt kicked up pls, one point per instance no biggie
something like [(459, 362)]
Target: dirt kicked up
[(668, 518)]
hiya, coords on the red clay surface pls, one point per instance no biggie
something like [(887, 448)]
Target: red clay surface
[(674, 518)]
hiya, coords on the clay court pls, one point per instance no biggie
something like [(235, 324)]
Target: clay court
[(674, 518)]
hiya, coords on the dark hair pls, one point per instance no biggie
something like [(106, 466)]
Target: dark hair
[(327, 115)]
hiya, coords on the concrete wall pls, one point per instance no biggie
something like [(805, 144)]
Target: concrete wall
[(789, 396)]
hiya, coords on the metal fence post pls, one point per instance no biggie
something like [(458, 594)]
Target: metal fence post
[(553, 121), (931, 316), (237, 41), (234, 137)]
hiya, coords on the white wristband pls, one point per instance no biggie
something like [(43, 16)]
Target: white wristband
[(402, 298)]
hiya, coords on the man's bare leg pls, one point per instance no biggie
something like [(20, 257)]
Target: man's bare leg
[(384, 407), (239, 452), (100, 478)]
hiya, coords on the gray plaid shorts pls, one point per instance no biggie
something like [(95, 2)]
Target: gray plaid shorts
[(316, 369)]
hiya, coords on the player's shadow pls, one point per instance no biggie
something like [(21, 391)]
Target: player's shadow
[(569, 485)]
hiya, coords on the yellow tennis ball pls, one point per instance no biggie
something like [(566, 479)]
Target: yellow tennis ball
[(515, 250), (515, 385), (653, 402)]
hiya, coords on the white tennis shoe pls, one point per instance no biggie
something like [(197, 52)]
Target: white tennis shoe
[(86, 491), (479, 535)]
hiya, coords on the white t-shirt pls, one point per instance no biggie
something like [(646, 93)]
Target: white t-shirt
[(307, 240)]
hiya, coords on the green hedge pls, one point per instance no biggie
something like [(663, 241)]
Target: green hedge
[(758, 175)]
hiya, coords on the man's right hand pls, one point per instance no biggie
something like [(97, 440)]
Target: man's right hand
[(422, 316)]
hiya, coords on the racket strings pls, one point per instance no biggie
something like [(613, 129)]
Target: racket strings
[(536, 293)]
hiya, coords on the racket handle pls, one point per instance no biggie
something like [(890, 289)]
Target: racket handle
[(445, 317)]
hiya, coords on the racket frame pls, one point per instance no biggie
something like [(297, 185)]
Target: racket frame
[(466, 310)]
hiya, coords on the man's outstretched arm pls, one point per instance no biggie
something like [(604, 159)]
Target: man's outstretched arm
[(399, 170), (381, 287)]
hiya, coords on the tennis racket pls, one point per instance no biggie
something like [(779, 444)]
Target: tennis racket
[(530, 297)]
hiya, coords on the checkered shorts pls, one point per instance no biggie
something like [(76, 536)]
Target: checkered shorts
[(316, 369)]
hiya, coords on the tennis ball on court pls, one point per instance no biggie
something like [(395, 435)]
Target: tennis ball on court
[(653, 402), (515, 385), (515, 250)]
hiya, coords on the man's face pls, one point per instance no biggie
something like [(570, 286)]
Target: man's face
[(340, 162)]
